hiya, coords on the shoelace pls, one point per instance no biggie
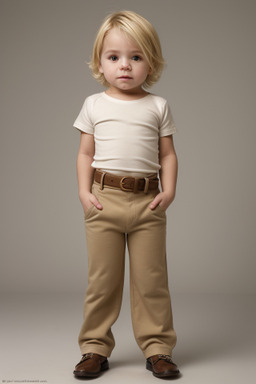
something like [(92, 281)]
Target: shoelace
[(86, 356), (163, 357)]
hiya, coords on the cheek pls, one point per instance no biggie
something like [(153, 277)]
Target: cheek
[(106, 69), (103, 65), (144, 72)]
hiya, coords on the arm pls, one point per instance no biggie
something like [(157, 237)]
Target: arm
[(85, 172), (168, 173)]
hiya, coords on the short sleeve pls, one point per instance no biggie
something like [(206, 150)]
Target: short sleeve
[(167, 125), (84, 121)]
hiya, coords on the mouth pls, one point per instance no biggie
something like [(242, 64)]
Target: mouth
[(125, 77)]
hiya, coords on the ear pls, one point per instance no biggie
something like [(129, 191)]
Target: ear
[(100, 68), (150, 71)]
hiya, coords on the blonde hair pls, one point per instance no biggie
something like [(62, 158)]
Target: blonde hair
[(144, 34)]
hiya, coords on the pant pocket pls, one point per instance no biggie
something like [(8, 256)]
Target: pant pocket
[(89, 211)]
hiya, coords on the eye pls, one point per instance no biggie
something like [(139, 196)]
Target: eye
[(136, 58), (113, 58)]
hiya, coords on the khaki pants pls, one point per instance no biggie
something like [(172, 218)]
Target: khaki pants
[(126, 218)]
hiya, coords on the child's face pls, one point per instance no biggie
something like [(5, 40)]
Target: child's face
[(123, 64)]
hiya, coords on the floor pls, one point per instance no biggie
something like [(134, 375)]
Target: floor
[(216, 340)]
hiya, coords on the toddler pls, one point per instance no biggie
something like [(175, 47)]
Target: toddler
[(126, 145)]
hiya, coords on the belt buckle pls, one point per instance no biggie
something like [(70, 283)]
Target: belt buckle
[(122, 181)]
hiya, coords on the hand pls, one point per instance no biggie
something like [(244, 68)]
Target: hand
[(163, 199), (88, 199)]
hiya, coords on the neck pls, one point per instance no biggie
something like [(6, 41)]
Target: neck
[(131, 95)]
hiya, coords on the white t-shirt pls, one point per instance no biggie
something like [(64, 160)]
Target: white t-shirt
[(126, 132)]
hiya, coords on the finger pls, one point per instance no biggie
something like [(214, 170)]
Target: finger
[(155, 203), (96, 203)]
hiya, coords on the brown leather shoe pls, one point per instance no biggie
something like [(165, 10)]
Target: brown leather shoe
[(91, 365), (162, 366)]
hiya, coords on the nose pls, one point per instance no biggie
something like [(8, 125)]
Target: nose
[(125, 65)]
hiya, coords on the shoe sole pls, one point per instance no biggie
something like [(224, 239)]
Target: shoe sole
[(104, 367), (162, 375)]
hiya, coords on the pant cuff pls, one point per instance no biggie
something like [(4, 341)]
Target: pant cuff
[(96, 349), (157, 350)]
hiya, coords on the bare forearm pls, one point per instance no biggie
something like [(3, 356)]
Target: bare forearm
[(168, 174), (84, 173)]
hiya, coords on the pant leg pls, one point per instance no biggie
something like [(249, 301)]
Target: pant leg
[(150, 298), (106, 253)]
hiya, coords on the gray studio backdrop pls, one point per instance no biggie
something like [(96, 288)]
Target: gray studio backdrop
[(209, 46)]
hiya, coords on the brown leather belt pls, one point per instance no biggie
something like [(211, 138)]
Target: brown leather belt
[(126, 183)]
